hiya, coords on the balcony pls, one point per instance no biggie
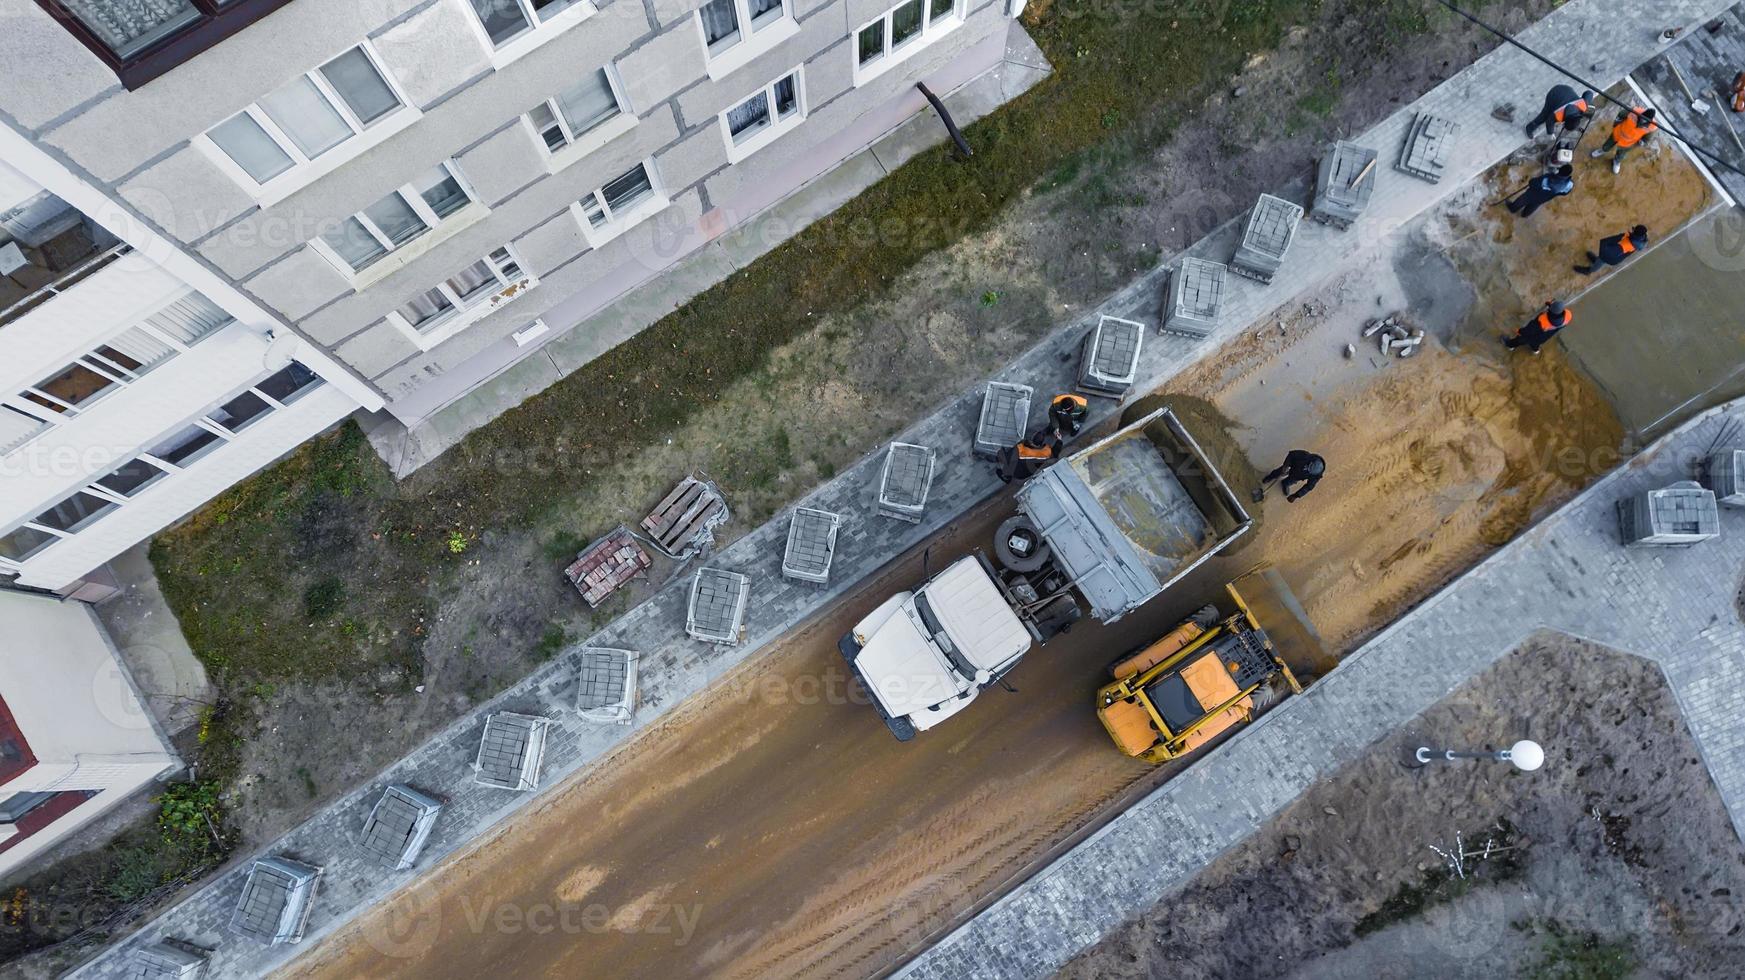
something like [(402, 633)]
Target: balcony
[(47, 246)]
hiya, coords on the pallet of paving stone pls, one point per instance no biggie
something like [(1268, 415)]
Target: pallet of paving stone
[(1344, 183), (683, 522), (1272, 226), (1429, 141), (1005, 418), (811, 545), (606, 565), (1195, 298), (1109, 356)]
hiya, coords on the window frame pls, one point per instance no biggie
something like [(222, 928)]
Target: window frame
[(217, 21), (753, 40), (578, 145), (619, 222), (435, 227), (304, 169), (120, 378), (739, 148), (929, 30), (464, 312), (537, 32)]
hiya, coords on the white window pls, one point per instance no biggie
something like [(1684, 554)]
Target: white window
[(396, 220), (110, 367), (166, 457), (514, 27), (736, 31), (900, 32), (625, 200), (582, 110), (443, 310), (288, 137), (755, 123)]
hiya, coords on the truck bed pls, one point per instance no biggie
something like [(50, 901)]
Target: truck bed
[(1132, 514)]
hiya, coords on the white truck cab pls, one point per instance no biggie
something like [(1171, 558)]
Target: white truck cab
[(924, 655)]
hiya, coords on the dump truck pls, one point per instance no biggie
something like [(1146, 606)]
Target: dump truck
[(1098, 534), (1203, 678)]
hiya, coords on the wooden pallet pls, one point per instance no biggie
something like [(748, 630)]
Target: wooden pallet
[(679, 521)]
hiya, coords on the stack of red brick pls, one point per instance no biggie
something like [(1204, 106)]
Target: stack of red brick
[(606, 565)]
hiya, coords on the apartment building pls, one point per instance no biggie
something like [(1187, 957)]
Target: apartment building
[(75, 739), (404, 200)]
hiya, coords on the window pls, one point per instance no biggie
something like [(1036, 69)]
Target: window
[(396, 220), (132, 477), (735, 31), (621, 203), (284, 133), (509, 20), (186, 446), (902, 30), (439, 312), (576, 111), (109, 367), (141, 39), (285, 386), (75, 512), (22, 542), (757, 121)]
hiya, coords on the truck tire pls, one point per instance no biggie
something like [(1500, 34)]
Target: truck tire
[(1020, 526)]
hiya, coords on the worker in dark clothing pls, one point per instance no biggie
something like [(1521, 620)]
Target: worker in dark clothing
[(1067, 413), (1614, 250), (1300, 466), (1537, 332), (1632, 130), (1563, 108), (1548, 186), (1029, 456)]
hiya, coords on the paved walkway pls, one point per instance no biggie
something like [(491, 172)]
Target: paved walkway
[(1608, 36), (1676, 607)]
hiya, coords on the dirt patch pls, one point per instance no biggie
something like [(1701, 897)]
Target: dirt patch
[(1436, 459), (1623, 858)]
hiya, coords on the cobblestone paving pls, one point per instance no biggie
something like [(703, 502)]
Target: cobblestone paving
[(1604, 37)]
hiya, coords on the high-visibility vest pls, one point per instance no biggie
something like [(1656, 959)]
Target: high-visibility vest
[(1579, 105), (1628, 132), (1027, 451), (1625, 245), (1546, 325)]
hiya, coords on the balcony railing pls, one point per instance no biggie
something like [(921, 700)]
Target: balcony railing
[(66, 280)]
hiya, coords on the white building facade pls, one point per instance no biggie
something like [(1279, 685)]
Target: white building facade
[(405, 199), (75, 738)]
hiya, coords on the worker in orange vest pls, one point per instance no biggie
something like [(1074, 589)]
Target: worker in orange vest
[(1029, 456), (1614, 250), (1067, 413), (1537, 332), (1562, 108), (1632, 129)]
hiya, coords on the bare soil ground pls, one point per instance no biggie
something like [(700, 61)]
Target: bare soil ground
[(851, 383), (1457, 448), (1623, 860)]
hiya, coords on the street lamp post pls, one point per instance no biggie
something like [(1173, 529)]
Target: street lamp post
[(1527, 755)]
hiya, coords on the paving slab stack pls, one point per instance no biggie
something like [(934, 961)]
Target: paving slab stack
[(1196, 298), (1344, 183), (1272, 225)]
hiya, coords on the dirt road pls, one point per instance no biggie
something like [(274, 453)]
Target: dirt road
[(774, 827)]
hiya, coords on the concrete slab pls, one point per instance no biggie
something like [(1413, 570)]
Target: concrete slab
[(170, 678), (1647, 333)]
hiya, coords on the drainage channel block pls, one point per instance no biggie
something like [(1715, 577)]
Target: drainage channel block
[(1005, 417), (606, 686), (1196, 298), (1429, 142), (717, 609), (1344, 183), (811, 545), (903, 485), (1272, 225)]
